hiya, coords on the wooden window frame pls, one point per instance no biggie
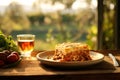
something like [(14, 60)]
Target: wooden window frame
[(100, 25)]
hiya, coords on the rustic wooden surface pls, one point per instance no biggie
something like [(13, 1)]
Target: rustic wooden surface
[(32, 69)]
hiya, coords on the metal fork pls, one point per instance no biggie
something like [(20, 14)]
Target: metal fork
[(115, 62)]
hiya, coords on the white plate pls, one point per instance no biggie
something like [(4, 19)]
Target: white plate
[(45, 58)]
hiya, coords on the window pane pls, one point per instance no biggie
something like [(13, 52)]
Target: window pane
[(52, 21)]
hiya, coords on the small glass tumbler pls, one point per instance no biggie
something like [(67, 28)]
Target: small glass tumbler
[(25, 44)]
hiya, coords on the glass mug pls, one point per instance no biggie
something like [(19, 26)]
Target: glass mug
[(25, 44)]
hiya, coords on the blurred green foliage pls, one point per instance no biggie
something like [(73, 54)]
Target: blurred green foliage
[(14, 18), (56, 27)]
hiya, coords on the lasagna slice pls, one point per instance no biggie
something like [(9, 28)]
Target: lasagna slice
[(72, 52)]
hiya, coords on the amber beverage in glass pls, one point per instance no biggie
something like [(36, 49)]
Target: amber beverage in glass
[(25, 44)]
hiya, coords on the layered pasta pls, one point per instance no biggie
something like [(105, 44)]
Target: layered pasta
[(72, 52)]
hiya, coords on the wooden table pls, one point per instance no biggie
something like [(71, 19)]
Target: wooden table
[(32, 69)]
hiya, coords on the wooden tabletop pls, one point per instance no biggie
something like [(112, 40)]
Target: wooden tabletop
[(32, 69)]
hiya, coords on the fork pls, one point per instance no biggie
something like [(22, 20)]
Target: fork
[(115, 63)]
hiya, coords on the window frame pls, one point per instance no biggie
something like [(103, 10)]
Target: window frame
[(100, 25)]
